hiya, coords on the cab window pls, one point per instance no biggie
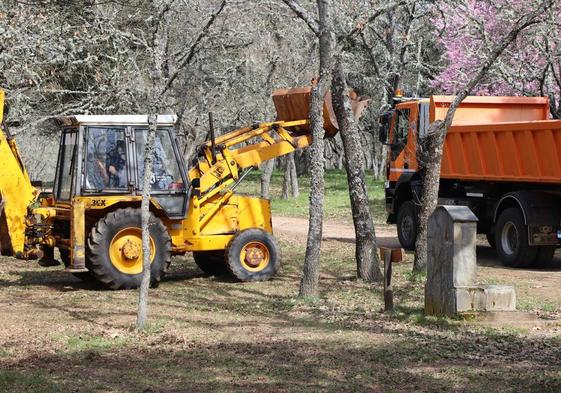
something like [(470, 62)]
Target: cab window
[(166, 173), (400, 132), (66, 165), (106, 159)]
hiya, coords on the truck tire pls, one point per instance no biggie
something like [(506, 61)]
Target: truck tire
[(65, 257), (212, 263), (253, 255), (511, 236), (407, 225), (115, 249), (544, 257)]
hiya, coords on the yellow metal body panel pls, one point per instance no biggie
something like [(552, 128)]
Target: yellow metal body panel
[(16, 194), (228, 217)]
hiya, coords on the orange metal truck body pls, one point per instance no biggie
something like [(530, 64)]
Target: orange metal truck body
[(501, 158), (492, 138)]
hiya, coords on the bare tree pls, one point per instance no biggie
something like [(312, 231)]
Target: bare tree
[(162, 78), (290, 180), (309, 285), (367, 259), (433, 143), (267, 172)]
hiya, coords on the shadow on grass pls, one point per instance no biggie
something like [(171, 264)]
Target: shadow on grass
[(430, 364)]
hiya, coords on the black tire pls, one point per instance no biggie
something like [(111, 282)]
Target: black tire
[(266, 252), (491, 240), (106, 230), (511, 236), (84, 276), (407, 225), (544, 257), (212, 263)]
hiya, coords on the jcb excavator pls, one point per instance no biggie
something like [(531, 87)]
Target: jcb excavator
[(93, 213)]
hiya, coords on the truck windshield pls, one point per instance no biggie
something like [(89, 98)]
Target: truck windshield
[(106, 159)]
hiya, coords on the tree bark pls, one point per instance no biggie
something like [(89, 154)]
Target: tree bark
[(367, 259), (142, 315), (309, 285), (267, 168), (433, 144), (157, 52), (290, 180)]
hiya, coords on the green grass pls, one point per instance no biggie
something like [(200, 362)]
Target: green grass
[(95, 343), (337, 202)]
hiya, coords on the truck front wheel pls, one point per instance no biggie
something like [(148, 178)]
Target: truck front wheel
[(407, 225), (253, 255), (511, 236)]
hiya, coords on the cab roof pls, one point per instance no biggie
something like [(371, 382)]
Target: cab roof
[(163, 120)]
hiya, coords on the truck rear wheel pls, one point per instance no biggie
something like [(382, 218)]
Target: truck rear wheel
[(511, 236), (253, 255), (115, 249), (407, 225), (212, 263)]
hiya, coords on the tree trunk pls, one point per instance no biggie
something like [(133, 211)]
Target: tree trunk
[(290, 180), (367, 259), (145, 211), (309, 285), (436, 134), (267, 168)]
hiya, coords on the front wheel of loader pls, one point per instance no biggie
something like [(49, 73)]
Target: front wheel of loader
[(211, 262), (115, 249), (253, 255)]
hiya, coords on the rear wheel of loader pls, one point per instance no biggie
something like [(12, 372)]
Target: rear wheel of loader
[(115, 249), (407, 225), (511, 236), (65, 257), (253, 255), (212, 263)]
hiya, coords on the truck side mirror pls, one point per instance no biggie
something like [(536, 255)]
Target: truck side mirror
[(384, 127)]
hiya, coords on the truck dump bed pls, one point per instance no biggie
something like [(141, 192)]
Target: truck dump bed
[(500, 139)]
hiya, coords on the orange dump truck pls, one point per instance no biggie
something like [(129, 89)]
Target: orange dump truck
[(501, 158)]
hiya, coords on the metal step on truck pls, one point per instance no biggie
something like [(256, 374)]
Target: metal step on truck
[(501, 158)]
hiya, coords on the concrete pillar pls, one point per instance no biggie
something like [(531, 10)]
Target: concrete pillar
[(451, 285)]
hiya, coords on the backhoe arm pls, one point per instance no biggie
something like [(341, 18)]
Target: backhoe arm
[(16, 193)]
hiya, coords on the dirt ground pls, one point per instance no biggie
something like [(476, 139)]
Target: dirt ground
[(210, 334)]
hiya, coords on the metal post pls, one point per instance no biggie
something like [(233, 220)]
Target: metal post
[(388, 292), (212, 137)]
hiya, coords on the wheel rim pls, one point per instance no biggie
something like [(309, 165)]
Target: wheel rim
[(255, 256), (509, 238), (125, 250), (407, 228)]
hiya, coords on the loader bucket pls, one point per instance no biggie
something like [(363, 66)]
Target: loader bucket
[(294, 104)]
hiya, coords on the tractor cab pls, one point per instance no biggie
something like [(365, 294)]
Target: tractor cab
[(104, 156)]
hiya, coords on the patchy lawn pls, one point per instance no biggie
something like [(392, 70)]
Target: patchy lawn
[(215, 335), (337, 203)]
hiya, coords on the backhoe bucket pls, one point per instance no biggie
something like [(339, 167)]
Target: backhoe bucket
[(294, 104)]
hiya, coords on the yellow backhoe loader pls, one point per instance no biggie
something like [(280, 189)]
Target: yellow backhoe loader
[(93, 213)]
